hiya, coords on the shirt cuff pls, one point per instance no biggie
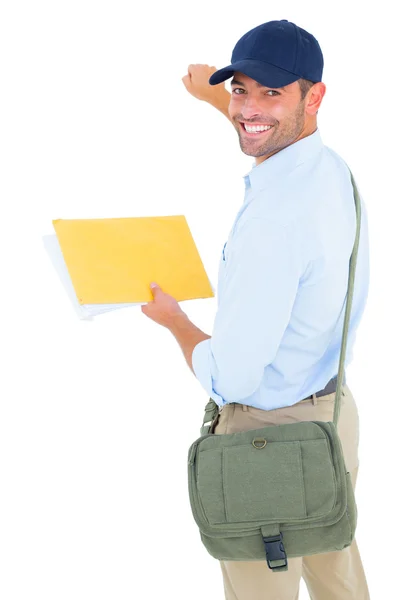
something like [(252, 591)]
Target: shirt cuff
[(204, 366)]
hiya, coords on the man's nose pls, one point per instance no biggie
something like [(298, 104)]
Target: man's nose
[(251, 108)]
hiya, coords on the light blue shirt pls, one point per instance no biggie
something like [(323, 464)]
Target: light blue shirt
[(282, 282)]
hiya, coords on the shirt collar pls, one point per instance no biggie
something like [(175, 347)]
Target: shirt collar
[(286, 160)]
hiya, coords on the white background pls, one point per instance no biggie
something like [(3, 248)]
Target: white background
[(96, 417)]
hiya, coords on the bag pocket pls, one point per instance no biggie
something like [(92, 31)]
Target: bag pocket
[(263, 484), (281, 482)]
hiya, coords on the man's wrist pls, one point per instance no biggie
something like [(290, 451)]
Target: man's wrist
[(178, 322), (222, 102), (187, 335)]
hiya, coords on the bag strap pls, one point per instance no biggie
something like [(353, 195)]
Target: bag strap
[(210, 413), (350, 291), (211, 410)]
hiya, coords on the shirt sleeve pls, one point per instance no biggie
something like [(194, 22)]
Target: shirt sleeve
[(262, 276)]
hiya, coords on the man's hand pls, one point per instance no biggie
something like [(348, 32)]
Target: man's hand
[(196, 83), (163, 309)]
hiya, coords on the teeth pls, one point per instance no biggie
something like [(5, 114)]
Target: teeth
[(256, 128)]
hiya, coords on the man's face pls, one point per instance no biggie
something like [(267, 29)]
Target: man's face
[(256, 106)]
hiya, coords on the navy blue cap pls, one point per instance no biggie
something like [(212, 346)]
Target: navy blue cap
[(275, 54)]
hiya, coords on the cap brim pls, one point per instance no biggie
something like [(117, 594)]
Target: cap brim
[(262, 72)]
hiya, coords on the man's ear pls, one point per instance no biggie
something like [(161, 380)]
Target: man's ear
[(314, 98)]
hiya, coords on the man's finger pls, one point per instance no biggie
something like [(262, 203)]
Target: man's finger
[(187, 81)]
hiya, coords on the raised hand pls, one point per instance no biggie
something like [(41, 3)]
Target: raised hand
[(196, 83)]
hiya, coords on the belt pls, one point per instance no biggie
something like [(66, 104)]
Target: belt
[(330, 388)]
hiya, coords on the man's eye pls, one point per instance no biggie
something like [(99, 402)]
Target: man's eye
[(237, 90), (273, 92)]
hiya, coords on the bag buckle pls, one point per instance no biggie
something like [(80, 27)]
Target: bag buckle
[(275, 551)]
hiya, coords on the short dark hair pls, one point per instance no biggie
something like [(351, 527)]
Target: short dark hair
[(305, 86)]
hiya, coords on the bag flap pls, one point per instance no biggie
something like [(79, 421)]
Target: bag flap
[(290, 474)]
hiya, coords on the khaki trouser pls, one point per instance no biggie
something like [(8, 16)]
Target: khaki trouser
[(329, 576)]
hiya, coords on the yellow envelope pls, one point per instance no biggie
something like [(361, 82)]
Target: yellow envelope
[(115, 260)]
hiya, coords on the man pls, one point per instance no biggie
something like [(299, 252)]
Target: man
[(274, 353)]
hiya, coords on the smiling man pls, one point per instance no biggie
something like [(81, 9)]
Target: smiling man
[(268, 120), (273, 355)]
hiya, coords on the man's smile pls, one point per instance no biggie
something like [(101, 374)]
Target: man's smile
[(254, 130)]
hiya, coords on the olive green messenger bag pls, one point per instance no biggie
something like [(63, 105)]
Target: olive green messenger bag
[(280, 491)]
